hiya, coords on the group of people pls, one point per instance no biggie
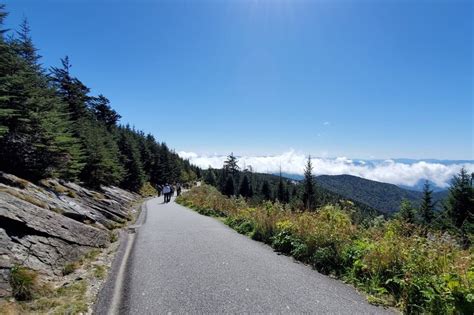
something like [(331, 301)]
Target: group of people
[(168, 191)]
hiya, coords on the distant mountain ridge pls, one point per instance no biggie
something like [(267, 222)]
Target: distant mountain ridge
[(381, 196)]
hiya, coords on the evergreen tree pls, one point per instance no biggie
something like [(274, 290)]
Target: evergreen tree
[(100, 106), (281, 195), (34, 129), (309, 194), (230, 165), (245, 189), (266, 190), (25, 48), (71, 89), (406, 212), (426, 210), (134, 176), (101, 156), (229, 189), (210, 178), (460, 202)]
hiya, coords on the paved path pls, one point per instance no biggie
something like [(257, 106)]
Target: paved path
[(183, 262)]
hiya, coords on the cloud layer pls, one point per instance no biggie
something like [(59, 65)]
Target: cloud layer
[(389, 171)]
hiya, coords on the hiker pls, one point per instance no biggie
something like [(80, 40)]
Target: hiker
[(178, 190), (166, 193)]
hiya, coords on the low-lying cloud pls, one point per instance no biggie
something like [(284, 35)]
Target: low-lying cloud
[(389, 171)]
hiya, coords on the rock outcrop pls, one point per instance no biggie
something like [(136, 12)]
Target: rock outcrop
[(45, 226)]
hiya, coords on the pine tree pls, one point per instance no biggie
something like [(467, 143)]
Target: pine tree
[(101, 155), (230, 165), (100, 106), (134, 176), (210, 178), (309, 194), (35, 131), (245, 190), (266, 190), (25, 48), (229, 189), (426, 210), (281, 190), (406, 212), (460, 202), (71, 89)]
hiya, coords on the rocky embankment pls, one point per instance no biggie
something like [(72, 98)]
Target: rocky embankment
[(45, 226)]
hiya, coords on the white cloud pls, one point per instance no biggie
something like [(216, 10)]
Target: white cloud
[(388, 171), (326, 123)]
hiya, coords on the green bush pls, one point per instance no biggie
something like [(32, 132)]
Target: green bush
[(147, 190), (69, 268), (23, 282), (395, 262)]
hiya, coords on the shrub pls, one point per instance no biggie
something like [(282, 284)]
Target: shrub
[(396, 262), (23, 282), (147, 190), (69, 268)]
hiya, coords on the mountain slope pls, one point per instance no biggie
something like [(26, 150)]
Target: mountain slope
[(381, 196)]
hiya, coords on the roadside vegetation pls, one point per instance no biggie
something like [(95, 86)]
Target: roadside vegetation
[(419, 261)]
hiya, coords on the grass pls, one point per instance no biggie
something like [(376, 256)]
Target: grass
[(148, 190), (34, 297), (100, 272), (23, 282), (396, 263), (25, 197)]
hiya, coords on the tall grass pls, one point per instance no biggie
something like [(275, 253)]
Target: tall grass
[(396, 263)]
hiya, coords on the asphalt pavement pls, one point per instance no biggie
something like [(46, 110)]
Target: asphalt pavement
[(183, 262)]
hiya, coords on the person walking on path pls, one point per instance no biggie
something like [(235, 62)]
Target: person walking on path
[(166, 193)]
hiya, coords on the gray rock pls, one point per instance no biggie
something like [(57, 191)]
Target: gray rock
[(45, 226)]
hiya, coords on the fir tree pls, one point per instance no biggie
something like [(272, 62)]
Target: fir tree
[(245, 189), (406, 212), (210, 178), (230, 165), (426, 210), (71, 89), (460, 202), (130, 158), (229, 189), (101, 155), (25, 48), (281, 190), (309, 194), (100, 106), (266, 190)]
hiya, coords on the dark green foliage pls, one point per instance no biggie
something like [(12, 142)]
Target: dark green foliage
[(245, 189), (34, 131), (100, 106), (210, 177), (230, 165), (459, 205), (407, 212), (229, 189), (426, 210), (130, 157), (266, 190), (309, 192), (282, 191)]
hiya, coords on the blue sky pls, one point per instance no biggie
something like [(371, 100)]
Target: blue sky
[(365, 79)]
